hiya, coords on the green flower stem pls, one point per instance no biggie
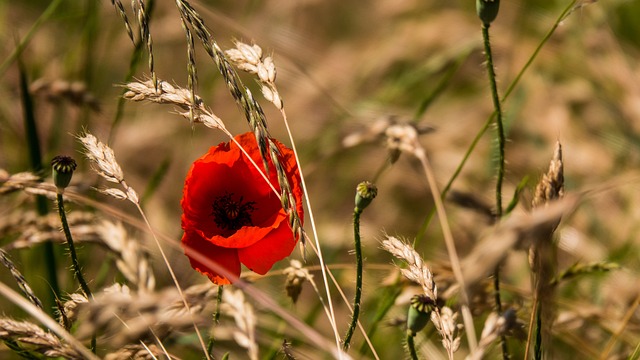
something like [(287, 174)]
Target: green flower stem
[(485, 126), (216, 320), (499, 124), (75, 266), (501, 146), (356, 301), (411, 346)]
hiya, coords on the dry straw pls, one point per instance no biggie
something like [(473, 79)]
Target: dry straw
[(20, 280), (418, 271), (126, 317), (445, 321), (29, 336), (242, 312)]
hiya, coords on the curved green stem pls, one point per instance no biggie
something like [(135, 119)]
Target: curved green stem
[(501, 145), (411, 346), (498, 111), (75, 266), (356, 301)]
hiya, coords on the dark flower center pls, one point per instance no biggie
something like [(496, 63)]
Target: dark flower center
[(230, 214)]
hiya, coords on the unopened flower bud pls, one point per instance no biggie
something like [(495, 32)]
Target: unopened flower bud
[(63, 167), (487, 10), (419, 313), (365, 193)]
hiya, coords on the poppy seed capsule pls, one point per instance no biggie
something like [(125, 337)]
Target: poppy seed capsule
[(487, 10), (63, 167), (365, 193), (419, 313)]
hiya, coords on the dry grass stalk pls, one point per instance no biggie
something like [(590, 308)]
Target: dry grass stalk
[(104, 163), (123, 14), (137, 352), (516, 232), (125, 317), (494, 327), (142, 16), (32, 338), (132, 259), (19, 181), (249, 58), (20, 280), (296, 277), (69, 310), (418, 271), (373, 131), (444, 320), (543, 251), (234, 304), (33, 229), (58, 90), (166, 93)]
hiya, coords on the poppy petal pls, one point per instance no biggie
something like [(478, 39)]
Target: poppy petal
[(195, 247), (274, 247)]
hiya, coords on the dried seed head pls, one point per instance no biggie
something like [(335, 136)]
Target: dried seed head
[(102, 157), (63, 168), (418, 271), (551, 186), (296, 277), (365, 193), (401, 137)]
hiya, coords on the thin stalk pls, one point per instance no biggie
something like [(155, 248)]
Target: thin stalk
[(316, 238), (356, 301), (411, 346), (216, 320), (75, 265), (500, 176), (451, 247)]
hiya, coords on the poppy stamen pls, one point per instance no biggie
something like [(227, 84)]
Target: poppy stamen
[(230, 214)]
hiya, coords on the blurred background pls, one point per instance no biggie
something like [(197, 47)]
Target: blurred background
[(345, 67)]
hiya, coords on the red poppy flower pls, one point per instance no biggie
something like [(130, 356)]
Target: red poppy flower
[(232, 216)]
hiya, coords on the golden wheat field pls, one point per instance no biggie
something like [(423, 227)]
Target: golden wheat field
[(198, 179)]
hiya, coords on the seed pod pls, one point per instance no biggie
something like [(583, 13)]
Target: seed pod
[(419, 313), (63, 167), (365, 193), (487, 10)]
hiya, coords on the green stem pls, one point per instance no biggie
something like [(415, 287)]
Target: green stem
[(356, 301), (498, 111), (216, 320), (75, 266), (501, 145), (411, 346), (35, 157), (537, 352)]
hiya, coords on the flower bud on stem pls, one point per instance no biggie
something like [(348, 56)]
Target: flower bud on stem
[(63, 167), (365, 193)]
